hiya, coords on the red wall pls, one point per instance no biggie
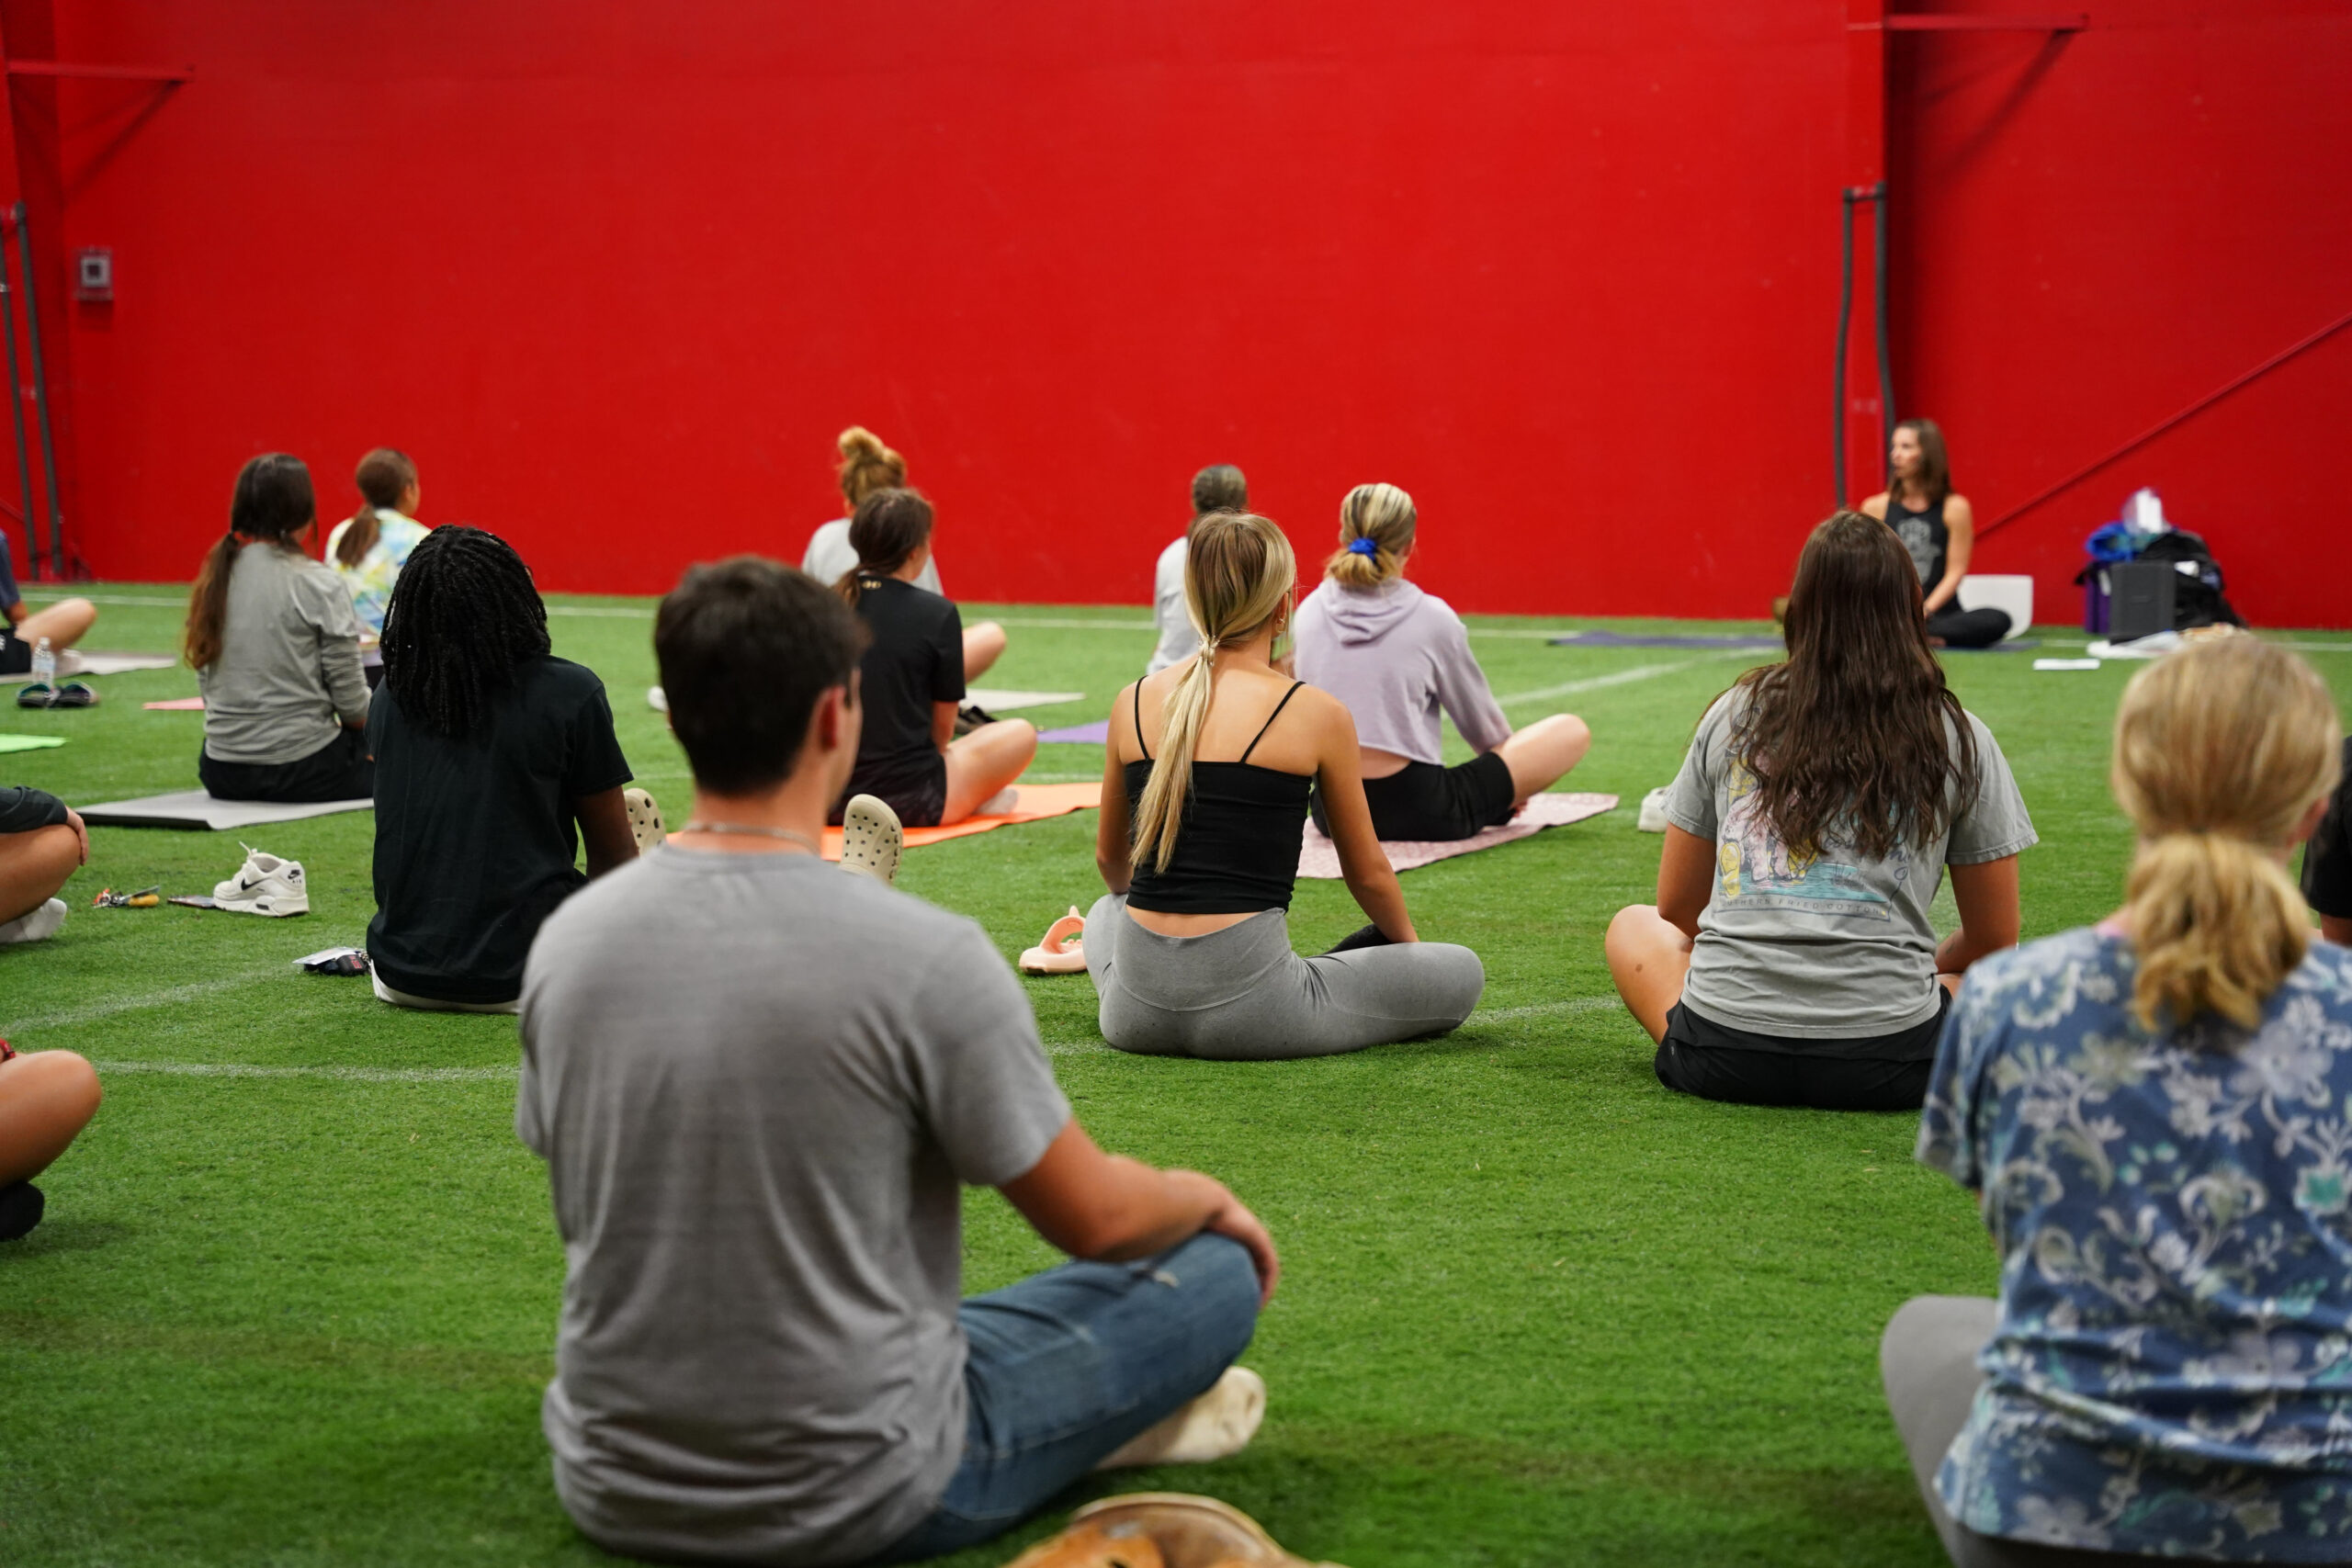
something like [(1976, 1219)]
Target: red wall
[(614, 273)]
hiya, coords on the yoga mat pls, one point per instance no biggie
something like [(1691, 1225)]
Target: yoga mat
[(29, 742), (193, 808), (1093, 733), (1032, 803), (1664, 640), (98, 664), (178, 704), (1319, 858), (995, 701)]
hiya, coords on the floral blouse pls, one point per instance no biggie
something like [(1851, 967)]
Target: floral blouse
[(370, 583), (2172, 1372)]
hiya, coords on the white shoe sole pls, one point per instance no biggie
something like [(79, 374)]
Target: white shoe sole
[(872, 840), (644, 820), (276, 906)]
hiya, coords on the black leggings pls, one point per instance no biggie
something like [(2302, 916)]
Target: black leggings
[(340, 769), (1968, 629)]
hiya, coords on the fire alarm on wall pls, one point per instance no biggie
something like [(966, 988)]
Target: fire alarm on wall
[(94, 274)]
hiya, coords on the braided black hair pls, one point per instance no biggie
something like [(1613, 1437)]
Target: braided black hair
[(464, 612)]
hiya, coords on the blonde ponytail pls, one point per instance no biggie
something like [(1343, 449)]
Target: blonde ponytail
[(2219, 752), (1376, 525), (1238, 573)]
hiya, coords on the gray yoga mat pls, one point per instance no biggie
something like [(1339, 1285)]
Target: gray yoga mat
[(98, 664), (192, 808)]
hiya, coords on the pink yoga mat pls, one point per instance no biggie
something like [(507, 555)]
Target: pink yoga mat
[(179, 704), (1317, 856)]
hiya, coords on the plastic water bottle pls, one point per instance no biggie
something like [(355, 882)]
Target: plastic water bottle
[(45, 664)]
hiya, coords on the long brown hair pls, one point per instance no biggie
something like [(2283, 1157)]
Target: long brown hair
[(1856, 731), (1935, 463), (1238, 573), (383, 477), (272, 504), (2220, 751), (890, 526)]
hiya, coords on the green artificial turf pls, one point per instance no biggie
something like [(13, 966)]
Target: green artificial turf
[(296, 1296)]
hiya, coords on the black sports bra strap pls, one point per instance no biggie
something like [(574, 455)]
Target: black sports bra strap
[(1139, 745), (1294, 685)]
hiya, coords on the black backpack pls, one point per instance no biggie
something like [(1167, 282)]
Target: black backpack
[(2197, 597)]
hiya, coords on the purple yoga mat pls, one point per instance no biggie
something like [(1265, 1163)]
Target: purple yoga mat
[(1093, 733)]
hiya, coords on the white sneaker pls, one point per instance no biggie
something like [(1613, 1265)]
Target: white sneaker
[(1652, 817), (872, 840), (644, 820), (36, 925), (657, 699), (266, 885)]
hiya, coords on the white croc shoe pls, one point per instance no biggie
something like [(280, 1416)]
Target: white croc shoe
[(644, 820), (35, 925), (872, 840), (265, 886)]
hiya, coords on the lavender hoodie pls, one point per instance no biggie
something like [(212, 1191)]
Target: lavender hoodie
[(1395, 655)]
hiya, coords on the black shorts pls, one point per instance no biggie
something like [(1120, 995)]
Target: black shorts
[(340, 769), (1424, 802), (919, 798), (1881, 1072), (15, 653)]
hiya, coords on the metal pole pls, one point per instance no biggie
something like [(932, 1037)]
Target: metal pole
[(1885, 350), (17, 407), (40, 396), (1845, 314)]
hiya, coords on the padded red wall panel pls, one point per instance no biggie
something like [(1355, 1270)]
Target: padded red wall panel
[(615, 273)]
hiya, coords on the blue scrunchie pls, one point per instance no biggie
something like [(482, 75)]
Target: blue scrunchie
[(1362, 547)]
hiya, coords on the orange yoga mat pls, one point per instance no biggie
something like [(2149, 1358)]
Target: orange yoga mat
[(1031, 803)]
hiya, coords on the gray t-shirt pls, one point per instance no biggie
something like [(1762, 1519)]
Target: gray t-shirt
[(1836, 947), (288, 664), (1178, 640), (757, 1081)]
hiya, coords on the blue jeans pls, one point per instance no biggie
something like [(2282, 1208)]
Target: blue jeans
[(1068, 1365)]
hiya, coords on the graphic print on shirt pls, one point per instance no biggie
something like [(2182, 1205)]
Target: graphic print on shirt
[(1919, 539), (1754, 869)]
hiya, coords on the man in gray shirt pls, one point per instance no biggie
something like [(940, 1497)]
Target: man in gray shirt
[(758, 1081)]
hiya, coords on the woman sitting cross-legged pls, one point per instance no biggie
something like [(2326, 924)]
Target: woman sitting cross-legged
[(912, 679), (1395, 655), (1190, 951), (45, 1099), (42, 843), (493, 761), (1790, 959), (275, 645), (2155, 1115)]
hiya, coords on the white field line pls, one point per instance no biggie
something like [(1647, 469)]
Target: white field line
[(508, 1074), (31, 1024), (1622, 677), (348, 1075)]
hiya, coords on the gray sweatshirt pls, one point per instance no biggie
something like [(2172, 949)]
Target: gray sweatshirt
[(1395, 655), (288, 664)]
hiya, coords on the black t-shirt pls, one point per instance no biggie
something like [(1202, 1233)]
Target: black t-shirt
[(475, 841), (915, 660), (2327, 860)]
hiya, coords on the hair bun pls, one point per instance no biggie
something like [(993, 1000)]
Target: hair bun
[(858, 442)]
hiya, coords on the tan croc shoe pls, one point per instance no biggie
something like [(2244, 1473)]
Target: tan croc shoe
[(644, 820), (872, 840), (1183, 1531), (1057, 953)]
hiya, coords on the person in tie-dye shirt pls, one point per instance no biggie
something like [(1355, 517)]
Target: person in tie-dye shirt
[(2155, 1115), (368, 549)]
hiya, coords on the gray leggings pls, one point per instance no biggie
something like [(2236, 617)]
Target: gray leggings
[(1927, 1360), (1241, 995)]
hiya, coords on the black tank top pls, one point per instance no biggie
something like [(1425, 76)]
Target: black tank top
[(1924, 534), (1237, 851)]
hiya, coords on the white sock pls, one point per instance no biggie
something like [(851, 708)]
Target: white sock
[(38, 925), (1217, 1424)]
